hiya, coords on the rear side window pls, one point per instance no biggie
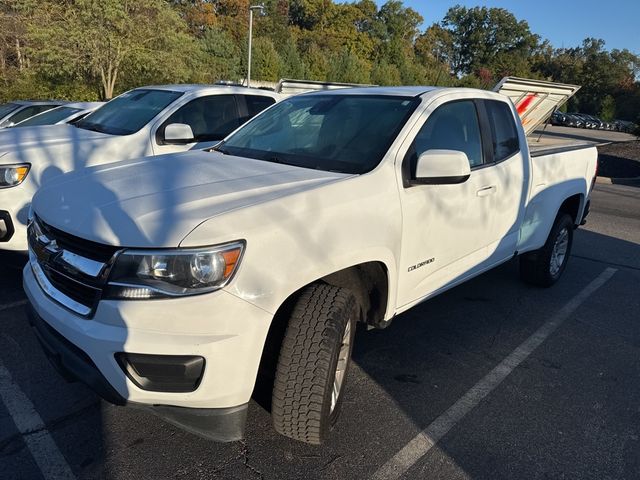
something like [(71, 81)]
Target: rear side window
[(452, 126), (29, 112), (504, 134), (257, 103), (7, 108)]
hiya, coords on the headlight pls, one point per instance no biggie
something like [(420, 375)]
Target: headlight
[(13, 175), (145, 274)]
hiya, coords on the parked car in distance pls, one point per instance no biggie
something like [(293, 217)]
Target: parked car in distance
[(171, 282), (588, 121), (596, 122), (68, 113), (623, 126), (145, 121), (15, 112), (573, 120), (558, 119)]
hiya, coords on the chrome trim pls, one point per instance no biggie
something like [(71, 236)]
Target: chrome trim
[(164, 293), (52, 292), (81, 264)]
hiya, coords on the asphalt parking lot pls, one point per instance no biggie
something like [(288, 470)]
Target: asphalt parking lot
[(491, 380), (557, 133)]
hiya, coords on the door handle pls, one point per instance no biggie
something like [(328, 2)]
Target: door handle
[(484, 191)]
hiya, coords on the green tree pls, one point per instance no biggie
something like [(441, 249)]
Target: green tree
[(221, 56), (266, 62), (383, 73), (291, 65), (490, 38), (346, 66), (608, 108), (104, 40)]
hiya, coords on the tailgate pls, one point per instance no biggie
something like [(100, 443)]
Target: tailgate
[(535, 100)]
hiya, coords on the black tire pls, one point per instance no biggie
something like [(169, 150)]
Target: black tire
[(302, 390), (536, 267)]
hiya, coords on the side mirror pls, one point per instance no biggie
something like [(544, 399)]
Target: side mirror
[(442, 167), (178, 133)]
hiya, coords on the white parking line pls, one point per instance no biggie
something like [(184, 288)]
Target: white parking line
[(7, 306), (429, 437), (43, 448)]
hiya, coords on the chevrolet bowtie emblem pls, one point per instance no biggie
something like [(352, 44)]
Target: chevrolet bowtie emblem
[(52, 247)]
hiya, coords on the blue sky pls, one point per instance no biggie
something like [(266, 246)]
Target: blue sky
[(564, 22)]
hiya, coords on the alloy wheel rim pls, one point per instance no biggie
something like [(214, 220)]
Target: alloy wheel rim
[(341, 367), (559, 252)]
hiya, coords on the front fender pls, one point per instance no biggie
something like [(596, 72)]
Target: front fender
[(295, 240)]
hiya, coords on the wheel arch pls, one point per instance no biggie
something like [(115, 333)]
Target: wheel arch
[(573, 206), (368, 281)]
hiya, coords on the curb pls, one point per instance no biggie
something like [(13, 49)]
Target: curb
[(633, 181)]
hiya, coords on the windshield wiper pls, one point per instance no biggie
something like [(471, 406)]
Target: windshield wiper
[(94, 127), (218, 148), (276, 159)]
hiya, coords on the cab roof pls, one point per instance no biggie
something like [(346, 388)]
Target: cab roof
[(40, 102), (189, 88), (412, 91)]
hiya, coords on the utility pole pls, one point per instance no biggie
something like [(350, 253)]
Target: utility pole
[(251, 9)]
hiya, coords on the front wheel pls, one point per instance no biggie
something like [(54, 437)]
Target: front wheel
[(313, 363), (545, 266)]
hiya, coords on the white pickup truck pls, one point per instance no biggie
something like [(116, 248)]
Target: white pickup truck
[(142, 122), (176, 282)]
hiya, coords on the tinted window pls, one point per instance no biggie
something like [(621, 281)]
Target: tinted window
[(29, 112), (129, 112), (49, 118), (503, 130), (453, 126), (210, 118), (256, 104), (344, 133), (7, 108)]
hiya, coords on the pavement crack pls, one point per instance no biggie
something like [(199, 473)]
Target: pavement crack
[(604, 262), (244, 453)]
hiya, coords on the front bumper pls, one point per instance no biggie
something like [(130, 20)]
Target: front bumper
[(228, 332), (14, 211)]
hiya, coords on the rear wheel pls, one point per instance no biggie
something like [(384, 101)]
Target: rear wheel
[(313, 363), (545, 266)]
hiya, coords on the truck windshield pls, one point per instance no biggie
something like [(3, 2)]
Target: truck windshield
[(7, 108), (49, 117), (339, 132), (129, 112)]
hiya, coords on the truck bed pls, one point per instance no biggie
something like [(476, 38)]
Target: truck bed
[(547, 146)]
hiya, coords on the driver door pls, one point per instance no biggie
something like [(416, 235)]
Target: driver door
[(446, 228)]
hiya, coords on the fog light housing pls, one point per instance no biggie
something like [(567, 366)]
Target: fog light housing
[(162, 373), (6, 226)]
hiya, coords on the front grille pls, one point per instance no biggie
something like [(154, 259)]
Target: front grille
[(85, 248), (77, 282), (79, 292)]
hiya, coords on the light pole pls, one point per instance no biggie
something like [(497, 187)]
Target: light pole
[(251, 9)]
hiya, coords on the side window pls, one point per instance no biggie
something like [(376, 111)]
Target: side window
[(256, 104), (29, 112), (452, 126), (210, 118), (504, 134)]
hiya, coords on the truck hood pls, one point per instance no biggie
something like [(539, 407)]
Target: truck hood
[(14, 139), (154, 202)]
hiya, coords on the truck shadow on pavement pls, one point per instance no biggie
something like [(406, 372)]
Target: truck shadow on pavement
[(402, 378)]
